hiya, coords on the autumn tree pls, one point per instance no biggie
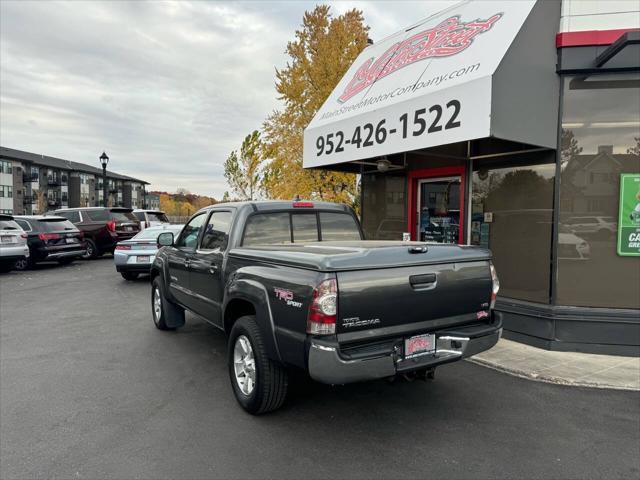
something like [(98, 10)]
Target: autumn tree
[(319, 56), (243, 170)]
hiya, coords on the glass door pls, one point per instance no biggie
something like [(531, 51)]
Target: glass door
[(438, 209)]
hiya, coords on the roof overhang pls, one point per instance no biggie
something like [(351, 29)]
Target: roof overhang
[(477, 69)]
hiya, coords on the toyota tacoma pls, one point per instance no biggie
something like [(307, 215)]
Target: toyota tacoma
[(295, 286)]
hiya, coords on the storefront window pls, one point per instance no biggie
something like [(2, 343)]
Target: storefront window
[(511, 213), (383, 206), (600, 141)]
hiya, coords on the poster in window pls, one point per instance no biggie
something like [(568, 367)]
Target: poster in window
[(629, 215)]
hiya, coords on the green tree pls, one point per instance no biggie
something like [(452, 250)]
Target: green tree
[(243, 170), (322, 51)]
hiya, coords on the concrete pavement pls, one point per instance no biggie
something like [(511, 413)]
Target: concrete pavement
[(568, 368)]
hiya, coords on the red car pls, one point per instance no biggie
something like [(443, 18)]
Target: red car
[(103, 227)]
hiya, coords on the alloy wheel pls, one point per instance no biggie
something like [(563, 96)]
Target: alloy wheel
[(21, 264), (157, 305), (244, 365)]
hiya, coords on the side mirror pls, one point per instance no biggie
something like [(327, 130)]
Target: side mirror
[(165, 239)]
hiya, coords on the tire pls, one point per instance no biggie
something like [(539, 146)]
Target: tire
[(92, 250), (23, 264), (166, 315), (271, 381), (129, 275)]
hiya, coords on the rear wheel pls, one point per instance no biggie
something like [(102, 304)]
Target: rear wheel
[(166, 315), (259, 384), (92, 250), (129, 275), (23, 264)]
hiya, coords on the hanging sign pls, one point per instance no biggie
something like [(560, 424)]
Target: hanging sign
[(629, 215)]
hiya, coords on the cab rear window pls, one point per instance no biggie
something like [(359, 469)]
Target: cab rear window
[(287, 227)]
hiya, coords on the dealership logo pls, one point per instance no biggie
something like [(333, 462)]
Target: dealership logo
[(449, 38)]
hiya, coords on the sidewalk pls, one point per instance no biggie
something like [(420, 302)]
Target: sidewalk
[(567, 368)]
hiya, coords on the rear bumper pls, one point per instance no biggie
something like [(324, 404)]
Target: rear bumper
[(65, 254), (326, 365), (142, 268), (14, 252)]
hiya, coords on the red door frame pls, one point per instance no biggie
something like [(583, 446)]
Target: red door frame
[(415, 176)]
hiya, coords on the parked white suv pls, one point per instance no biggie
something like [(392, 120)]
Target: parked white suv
[(13, 243), (150, 218)]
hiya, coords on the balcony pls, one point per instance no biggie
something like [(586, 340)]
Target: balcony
[(53, 202), (53, 180), (33, 177), (64, 180)]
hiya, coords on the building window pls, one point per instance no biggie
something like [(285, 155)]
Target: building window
[(512, 214), (600, 139), (6, 166)]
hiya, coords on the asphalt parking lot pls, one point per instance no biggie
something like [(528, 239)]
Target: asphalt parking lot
[(90, 389)]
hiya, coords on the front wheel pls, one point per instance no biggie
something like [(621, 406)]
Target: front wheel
[(259, 384), (166, 315)]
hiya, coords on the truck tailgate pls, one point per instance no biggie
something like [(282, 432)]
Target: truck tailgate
[(375, 303)]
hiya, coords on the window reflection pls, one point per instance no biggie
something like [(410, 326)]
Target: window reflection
[(383, 206), (600, 140), (511, 213)]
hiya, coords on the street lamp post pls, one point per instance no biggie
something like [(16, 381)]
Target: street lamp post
[(104, 159)]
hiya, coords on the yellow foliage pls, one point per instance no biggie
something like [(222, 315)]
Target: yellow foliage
[(320, 55)]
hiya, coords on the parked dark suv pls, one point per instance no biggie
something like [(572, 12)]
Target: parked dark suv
[(50, 239), (103, 227)]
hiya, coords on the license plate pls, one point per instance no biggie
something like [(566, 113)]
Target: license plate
[(143, 259), (419, 345), (70, 240), (7, 239)]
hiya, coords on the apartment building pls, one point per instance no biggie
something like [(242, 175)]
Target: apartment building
[(33, 184)]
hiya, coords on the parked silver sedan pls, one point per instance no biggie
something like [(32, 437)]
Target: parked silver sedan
[(135, 256)]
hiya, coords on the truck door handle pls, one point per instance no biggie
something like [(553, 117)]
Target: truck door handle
[(187, 263), (213, 268)]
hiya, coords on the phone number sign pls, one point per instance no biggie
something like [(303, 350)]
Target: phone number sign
[(629, 215)]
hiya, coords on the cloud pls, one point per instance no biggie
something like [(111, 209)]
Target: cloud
[(168, 89)]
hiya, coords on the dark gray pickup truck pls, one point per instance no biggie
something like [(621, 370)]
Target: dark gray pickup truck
[(295, 286)]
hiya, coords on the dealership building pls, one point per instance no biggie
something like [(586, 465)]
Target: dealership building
[(512, 125)]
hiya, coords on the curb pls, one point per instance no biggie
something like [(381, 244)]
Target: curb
[(547, 378)]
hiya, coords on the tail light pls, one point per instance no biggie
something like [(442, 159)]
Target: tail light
[(324, 308), (48, 236), (495, 285), (111, 225), (302, 204), (123, 247)]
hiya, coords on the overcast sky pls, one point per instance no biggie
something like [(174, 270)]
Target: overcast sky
[(166, 89)]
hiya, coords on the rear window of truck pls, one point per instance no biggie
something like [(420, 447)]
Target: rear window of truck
[(285, 227)]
